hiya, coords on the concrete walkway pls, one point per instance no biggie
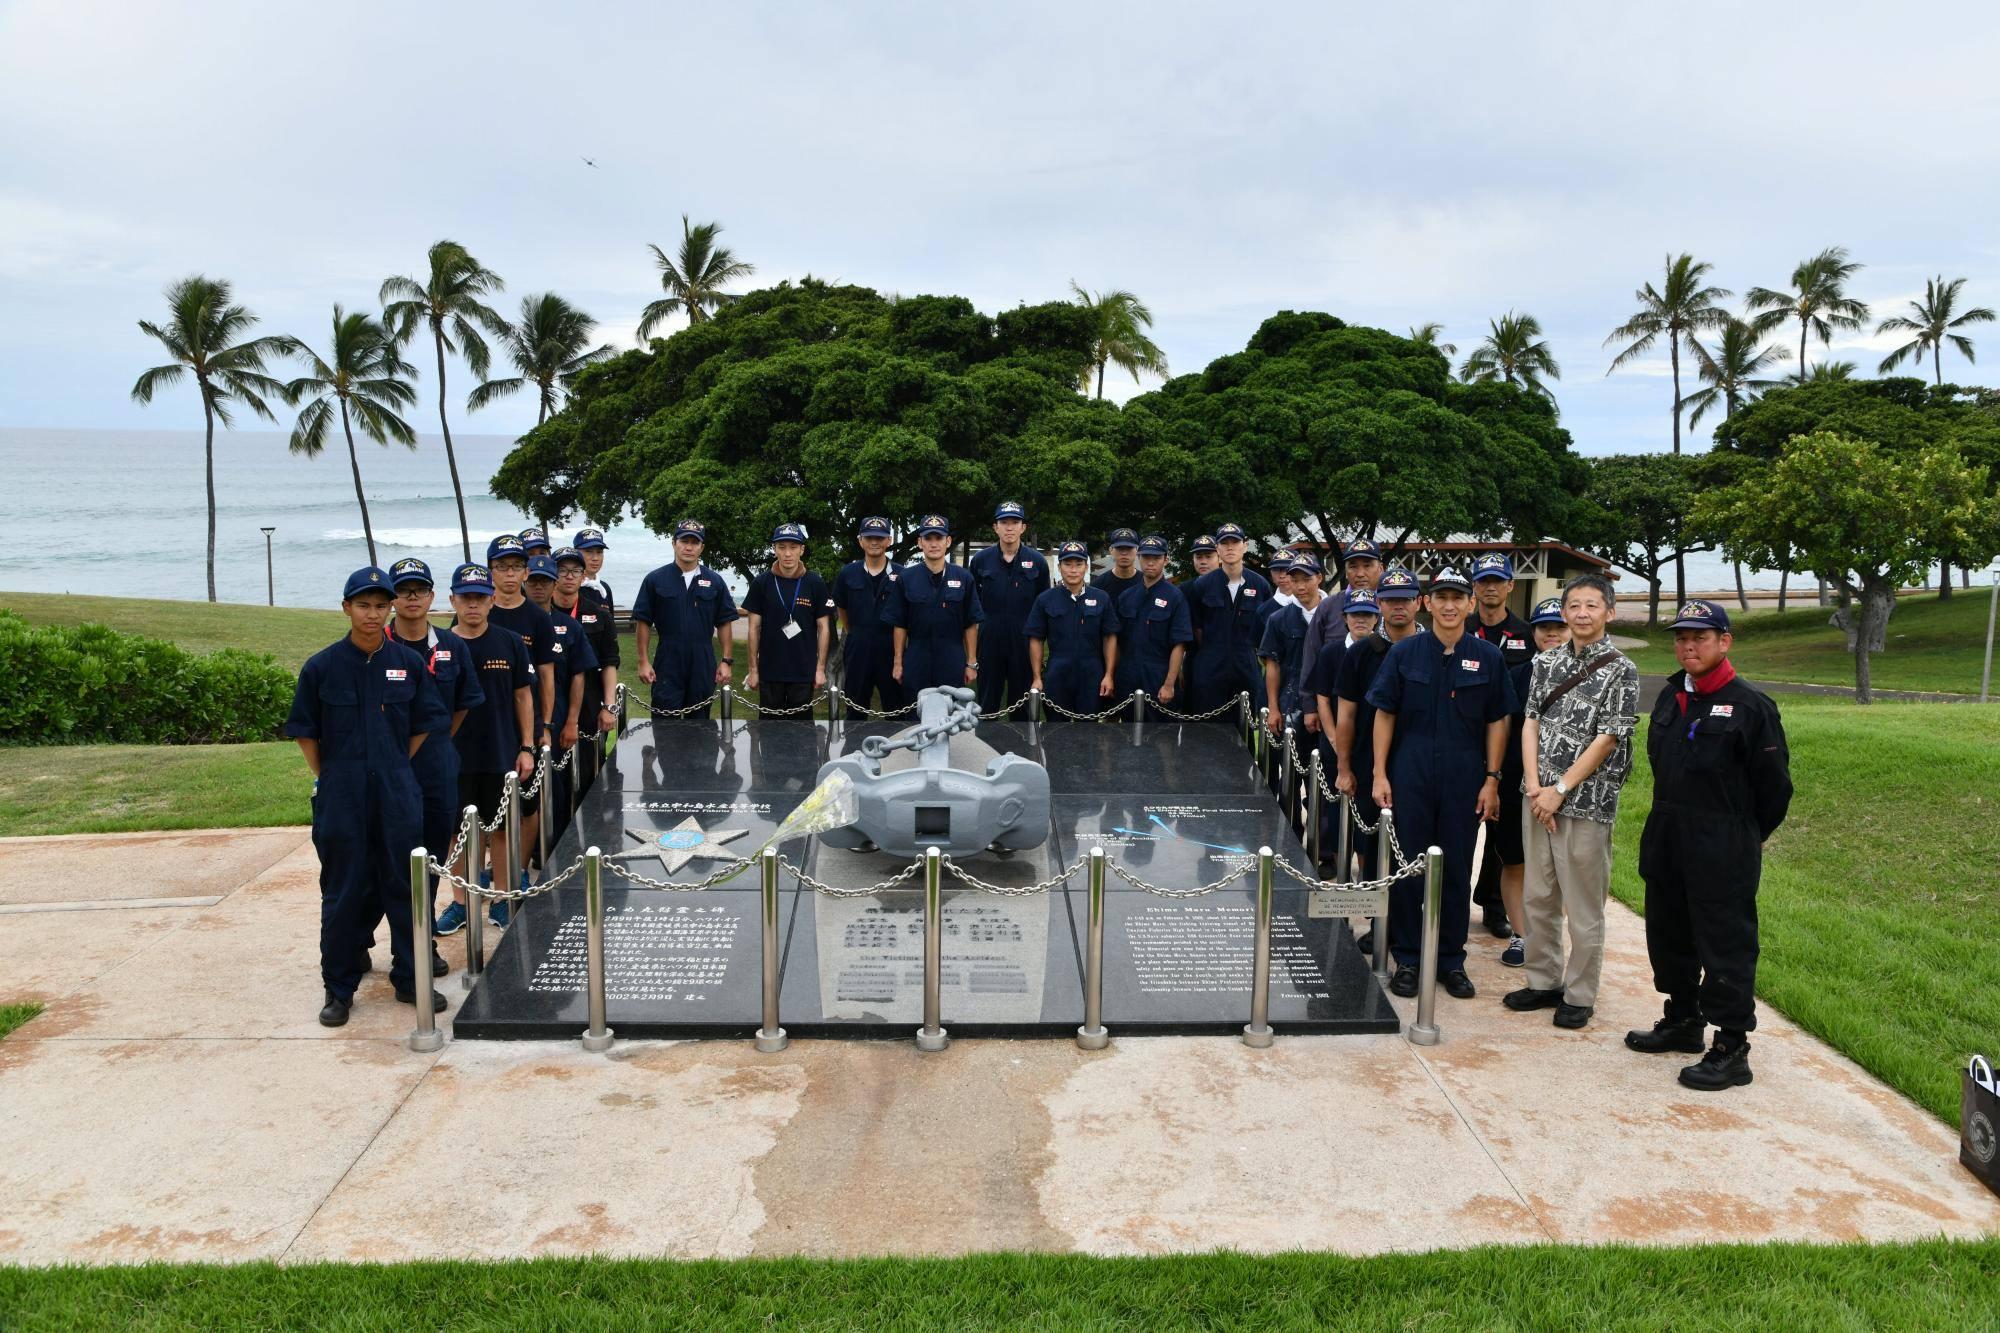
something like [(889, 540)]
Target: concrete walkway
[(179, 1101)]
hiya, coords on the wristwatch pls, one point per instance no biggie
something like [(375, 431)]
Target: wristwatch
[(972, 666), (1562, 788), (1493, 773)]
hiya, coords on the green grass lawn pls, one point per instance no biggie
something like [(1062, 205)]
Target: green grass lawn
[(288, 633), (1929, 1284), (126, 788), (1932, 645), (1881, 894), (13, 1015)]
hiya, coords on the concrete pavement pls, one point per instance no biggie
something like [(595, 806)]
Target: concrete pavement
[(178, 1101)]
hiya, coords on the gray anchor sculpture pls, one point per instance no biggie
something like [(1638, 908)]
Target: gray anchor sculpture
[(933, 804)]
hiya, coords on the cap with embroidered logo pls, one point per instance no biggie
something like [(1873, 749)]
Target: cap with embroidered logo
[(1279, 563), (1701, 615), (789, 532), (1548, 611), (1204, 545), (936, 524), (541, 567), (1073, 551), (1122, 537), (589, 539), (409, 570), (1397, 582), (1009, 509), (569, 553), (1492, 566), (1152, 544), (1229, 532), (1305, 562), (1449, 578), (874, 526), (505, 544), (1359, 602), (1361, 549), (534, 539), (472, 579), (690, 527), (363, 579)]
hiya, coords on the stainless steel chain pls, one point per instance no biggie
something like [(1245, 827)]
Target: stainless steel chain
[(731, 870), (1014, 890), (762, 711), (1158, 892), (1359, 886), (688, 711), (1155, 706), (905, 711), (1104, 716), (906, 873), (492, 894)]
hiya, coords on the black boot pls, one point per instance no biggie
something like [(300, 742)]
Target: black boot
[(439, 967), (1669, 1034), (335, 1012), (1727, 1065), (1495, 921)]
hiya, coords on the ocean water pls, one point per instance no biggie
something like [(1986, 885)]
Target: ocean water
[(121, 513)]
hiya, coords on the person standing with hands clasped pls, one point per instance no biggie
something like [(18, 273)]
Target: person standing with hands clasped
[(1441, 703), (934, 613), (789, 634), (1576, 752), (363, 707), (1722, 784)]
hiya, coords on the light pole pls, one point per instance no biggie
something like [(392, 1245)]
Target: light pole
[(1992, 608), (270, 588)]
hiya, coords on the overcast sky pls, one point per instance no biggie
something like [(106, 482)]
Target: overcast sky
[(1444, 162)]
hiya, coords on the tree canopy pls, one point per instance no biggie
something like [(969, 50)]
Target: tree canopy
[(1635, 514)]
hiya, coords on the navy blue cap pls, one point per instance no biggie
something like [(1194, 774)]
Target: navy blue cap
[(1122, 537), (1152, 545), (568, 553), (541, 567), (589, 539), (689, 527), (1548, 611), (875, 526), (1361, 549), (1010, 509), (1073, 551), (505, 544), (789, 532), (1204, 543), (410, 570), (1359, 602), (931, 523), (1397, 582), (533, 537), (1492, 566), (1701, 615), (1305, 562), (1449, 578), (1229, 532), (365, 579), (472, 578), (1279, 563)]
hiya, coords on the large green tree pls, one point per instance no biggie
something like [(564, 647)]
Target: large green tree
[(360, 379), (451, 300), (205, 335), (1817, 299), (1514, 352), (693, 278), (1119, 324), (811, 403), (1866, 518), (1634, 513), (1930, 324)]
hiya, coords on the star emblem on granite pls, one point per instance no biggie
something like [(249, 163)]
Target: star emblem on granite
[(684, 842)]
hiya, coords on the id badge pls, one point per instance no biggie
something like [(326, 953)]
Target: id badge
[(792, 630)]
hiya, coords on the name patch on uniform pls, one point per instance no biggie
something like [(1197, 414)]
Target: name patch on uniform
[(395, 673), (1249, 592), (590, 620), (441, 655), (1027, 566), (951, 583), (1090, 601), (701, 583), (1159, 601), (1722, 710), (1512, 643), (1469, 663)]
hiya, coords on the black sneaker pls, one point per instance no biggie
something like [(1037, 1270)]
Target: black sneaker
[(334, 1014), (438, 1003), (1527, 999), (1725, 1066), (1573, 1015), (1496, 923), (1404, 983), (1457, 985), (1669, 1034)]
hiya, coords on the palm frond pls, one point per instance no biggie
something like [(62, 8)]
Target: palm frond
[(494, 390), (159, 377), (309, 434)]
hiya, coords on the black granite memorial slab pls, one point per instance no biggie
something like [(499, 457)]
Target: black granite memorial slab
[(671, 835), (1175, 841), (1166, 758), (1184, 965), (777, 755)]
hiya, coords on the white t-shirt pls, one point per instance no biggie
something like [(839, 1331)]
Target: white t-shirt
[(688, 576), (1235, 586)]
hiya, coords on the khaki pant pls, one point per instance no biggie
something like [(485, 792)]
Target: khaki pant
[(1568, 876)]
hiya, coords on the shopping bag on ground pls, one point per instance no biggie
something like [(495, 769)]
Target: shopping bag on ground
[(1979, 1123)]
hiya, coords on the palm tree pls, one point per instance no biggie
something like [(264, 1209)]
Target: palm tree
[(201, 336), (1512, 351), (1826, 372), (1426, 335), (1734, 374), (1933, 325), (1679, 308), (549, 346), (452, 296), (694, 282), (364, 380), (1818, 300), (1118, 324)]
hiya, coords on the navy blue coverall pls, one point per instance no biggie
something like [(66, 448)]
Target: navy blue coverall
[(1226, 634), (870, 650), (685, 619), (1152, 620), (935, 610), (363, 709), (1442, 702), (573, 657), (1074, 626), (1007, 591), (436, 765)]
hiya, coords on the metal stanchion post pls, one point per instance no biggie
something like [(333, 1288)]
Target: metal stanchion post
[(1315, 811), (426, 1036), (1424, 1032), (728, 703), (770, 1037), (932, 1036), (597, 1037), (624, 698), (1244, 721), (1257, 1032), (575, 780), (475, 919), (1138, 705), (1343, 841), (515, 866), (1288, 777), (546, 801), (1385, 866), (1262, 752), (1092, 1035), (1034, 705), (834, 697)]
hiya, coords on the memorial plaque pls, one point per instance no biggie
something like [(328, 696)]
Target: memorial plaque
[(1174, 841), (671, 835)]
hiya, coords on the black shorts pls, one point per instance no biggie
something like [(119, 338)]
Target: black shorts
[(1503, 838), (484, 790)]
